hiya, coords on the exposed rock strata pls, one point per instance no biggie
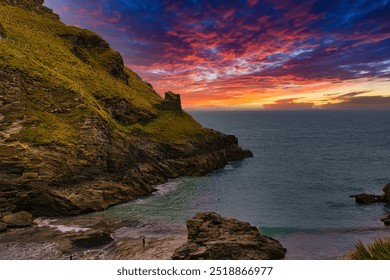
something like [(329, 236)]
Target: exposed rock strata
[(71, 144), (213, 237)]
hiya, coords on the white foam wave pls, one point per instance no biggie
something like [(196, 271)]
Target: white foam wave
[(61, 228)]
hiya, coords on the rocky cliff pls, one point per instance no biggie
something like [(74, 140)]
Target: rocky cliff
[(79, 131)]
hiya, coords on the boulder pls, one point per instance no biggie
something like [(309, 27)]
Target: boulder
[(213, 237), (20, 219), (3, 227), (90, 232)]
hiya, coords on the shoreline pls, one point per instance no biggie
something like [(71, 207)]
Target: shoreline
[(51, 239), (54, 239)]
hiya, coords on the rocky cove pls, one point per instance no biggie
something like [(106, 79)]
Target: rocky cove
[(84, 132), (80, 132), (210, 236)]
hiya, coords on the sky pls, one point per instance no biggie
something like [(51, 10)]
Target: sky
[(249, 54)]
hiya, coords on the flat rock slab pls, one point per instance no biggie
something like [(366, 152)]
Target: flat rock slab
[(213, 237)]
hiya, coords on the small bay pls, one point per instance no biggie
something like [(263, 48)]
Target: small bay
[(296, 188)]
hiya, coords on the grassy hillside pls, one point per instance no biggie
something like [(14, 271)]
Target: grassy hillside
[(76, 74), (80, 132)]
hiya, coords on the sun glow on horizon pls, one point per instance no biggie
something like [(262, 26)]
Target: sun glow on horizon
[(249, 54)]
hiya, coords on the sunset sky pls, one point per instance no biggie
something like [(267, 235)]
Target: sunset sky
[(249, 54)]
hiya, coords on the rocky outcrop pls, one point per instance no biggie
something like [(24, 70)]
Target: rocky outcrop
[(171, 102), (20, 219), (83, 132), (93, 50), (31, 5), (123, 111), (364, 198), (213, 237)]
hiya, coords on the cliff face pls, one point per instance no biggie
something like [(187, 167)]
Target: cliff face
[(79, 131)]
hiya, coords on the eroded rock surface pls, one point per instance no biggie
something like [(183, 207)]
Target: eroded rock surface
[(213, 237)]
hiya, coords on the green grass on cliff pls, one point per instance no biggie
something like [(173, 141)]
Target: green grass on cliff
[(378, 250), (173, 127), (50, 52)]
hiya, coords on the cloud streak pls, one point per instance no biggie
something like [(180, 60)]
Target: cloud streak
[(243, 53)]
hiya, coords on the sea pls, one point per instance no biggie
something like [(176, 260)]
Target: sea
[(297, 186)]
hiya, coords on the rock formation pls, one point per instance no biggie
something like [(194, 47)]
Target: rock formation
[(213, 237), (364, 198), (79, 131)]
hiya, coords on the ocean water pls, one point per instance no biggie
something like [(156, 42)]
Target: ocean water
[(296, 188)]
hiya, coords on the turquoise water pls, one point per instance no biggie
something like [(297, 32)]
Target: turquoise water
[(296, 188)]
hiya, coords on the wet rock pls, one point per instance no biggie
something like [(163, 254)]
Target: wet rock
[(3, 227), (83, 232), (364, 198), (20, 219), (92, 238), (213, 237)]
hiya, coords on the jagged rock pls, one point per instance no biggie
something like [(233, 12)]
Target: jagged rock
[(213, 237), (364, 198), (20, 219), (3, 227)]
